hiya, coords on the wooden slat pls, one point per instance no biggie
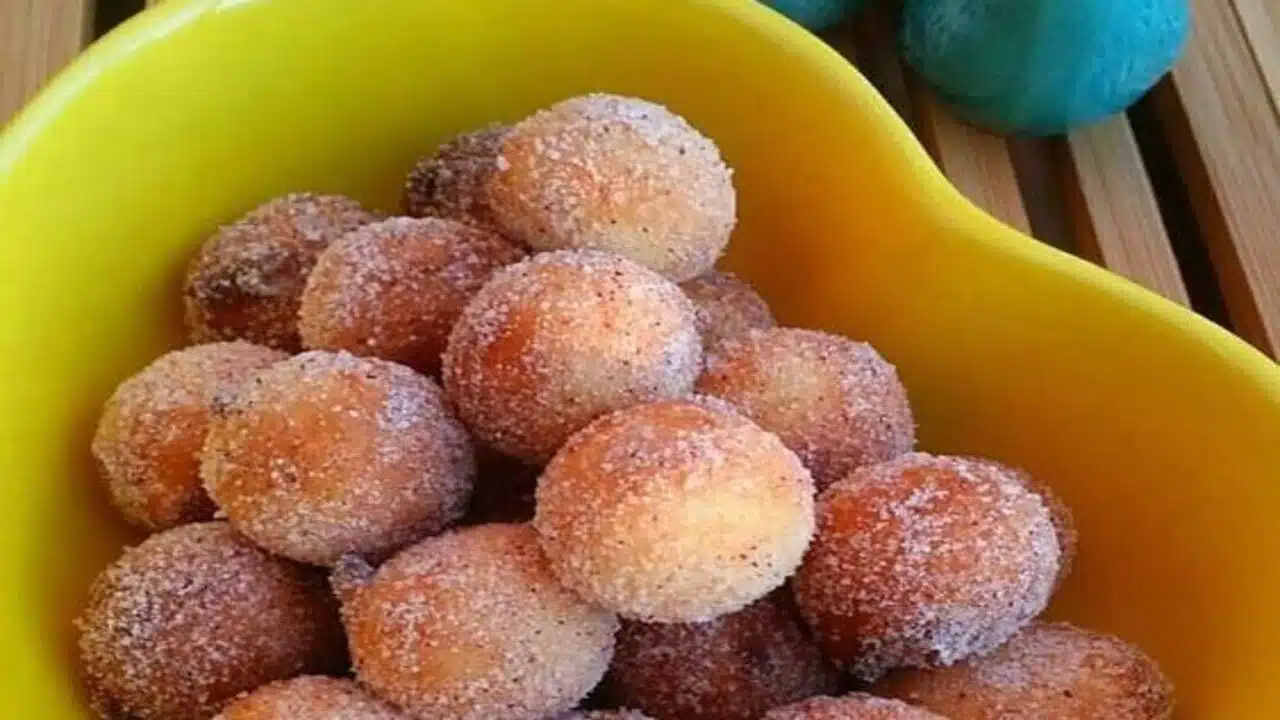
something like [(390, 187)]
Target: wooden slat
[(1038, 169), (978, 162), (1114, 210), (37, 38), (1261, 22), (1226, 139)]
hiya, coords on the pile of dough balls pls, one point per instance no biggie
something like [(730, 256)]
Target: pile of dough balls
[(522, 452)]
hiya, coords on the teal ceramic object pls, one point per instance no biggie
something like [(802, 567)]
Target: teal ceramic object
[(817, 14), (1043, 67)]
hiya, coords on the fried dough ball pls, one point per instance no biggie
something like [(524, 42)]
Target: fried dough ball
[(837, 403), (246, 281), (603, 715), (151, 430), (674, 512), (328, 453), (551, 343), (1064, 522), (393, 289), (196, 615), (472, 624), (924, 561), (617, 174), (450, 183), (310, 697), (856, 706), (727, 306), (735, 667), (1049, 670)]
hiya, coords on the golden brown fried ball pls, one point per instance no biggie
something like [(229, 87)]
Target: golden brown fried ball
[(735, 667), (924, 561), (450, 183), (310, 697), (196, 615), (393, 289), (856, 706), (1049, 670), (674, 512), (616, 174), (151, 430), (551, 343), (1063, 520), (727, 306), (246, 281), (603, 715), (472, 624), (328, 453), (837, 403)]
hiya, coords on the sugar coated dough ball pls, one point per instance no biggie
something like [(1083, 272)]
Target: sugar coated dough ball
[(1049, 670), (856, 706), (450, 183), (837, 403), (472, 624), (328, 453), (152, 428), (1064, 522), (393, 289), (310, 697), (727, 306), (604, 715), (196, 615), (735, 667), (246, 281), (551, 343), (924, 561), (674, 512), (618, 174)]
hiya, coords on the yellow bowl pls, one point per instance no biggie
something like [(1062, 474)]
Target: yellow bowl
[(1162, 431)]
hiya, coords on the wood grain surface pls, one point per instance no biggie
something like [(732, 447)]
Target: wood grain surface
[(1225, 131), (1114, 209), (37, 38)]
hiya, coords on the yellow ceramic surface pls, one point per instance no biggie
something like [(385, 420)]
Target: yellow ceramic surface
[(1161, 430)]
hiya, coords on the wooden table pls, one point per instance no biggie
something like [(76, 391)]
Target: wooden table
[(1181, 195)]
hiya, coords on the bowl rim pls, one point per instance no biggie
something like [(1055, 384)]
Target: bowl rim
[(951, 208)]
